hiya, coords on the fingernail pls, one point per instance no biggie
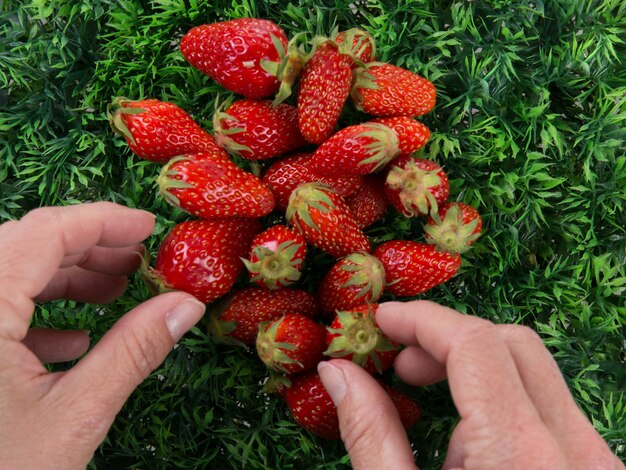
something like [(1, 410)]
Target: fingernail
[(183, 316), (334, 381)]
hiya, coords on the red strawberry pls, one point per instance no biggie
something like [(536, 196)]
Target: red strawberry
[(322, 216), (276, 257), (356, 150), (369, 203), (412, 134), (454, 228), (157, 131), (202, 257), (288, 173), (242, 55), (211, 187), (363, 46), (385, 90), (354, 335), (352, 281), (408, 410), (416, 186), (238, 318), (258, 130), (293, 343), (412, 268)]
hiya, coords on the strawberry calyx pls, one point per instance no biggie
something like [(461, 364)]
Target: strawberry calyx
[(303, 199), (220, 330), (168, 180), (384, 146), (273, 353), (114, 113), (153, 279), (222, 135), (362, 78), (354, 43), (276, 383), (451, 234), (275, 269), (415, 186), (288, 69), (366, 271)]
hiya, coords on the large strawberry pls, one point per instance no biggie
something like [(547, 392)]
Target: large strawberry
[(202, 257), (356, 150), (288, 173), (276, 257), (454, 228), (412, 134), (325, 221), (352, 281), (412, 268), (212, 187), (237, 318), (293, 343), (416, 186), (385, 90), (257, 129), (354, 335), (157, 130), (370, 202)]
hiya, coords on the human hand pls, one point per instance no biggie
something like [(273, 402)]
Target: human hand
[(516, 410), (82, 253)]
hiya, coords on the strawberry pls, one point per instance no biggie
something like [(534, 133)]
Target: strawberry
[(211, 187), (408, 411), (276, 257), (354, 280), (454, 228), (237, 318), (363, 46), (324, 220), (202, 257), (288, 173), (355, 150), (416, 186), (412, 268), (412, 134), (157, 131), (293, 343), (257, 130), (385, 90), (369, 203), (354, 335)]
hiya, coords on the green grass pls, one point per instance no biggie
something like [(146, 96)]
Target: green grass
[(530, 125)]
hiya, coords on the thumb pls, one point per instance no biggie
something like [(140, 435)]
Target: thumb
[(370, 426)]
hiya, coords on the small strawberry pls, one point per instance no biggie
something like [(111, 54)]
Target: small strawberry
[(352, 281), (356, 150), (202, 257), (454, 228), (412, 268), (408, 411), (257, 130), (354, 335), (325, 221), (211, 187), (416, 186), (158, 131), (412, 134), (276, 257), (288, 173), (363, 46), (385, 90), (237, 318), (369, 203), (293, 343)]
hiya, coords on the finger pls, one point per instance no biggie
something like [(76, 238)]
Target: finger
[(83, 286), (370, 426), (455, 458), (56, 345), (416, 367), (114, 261)]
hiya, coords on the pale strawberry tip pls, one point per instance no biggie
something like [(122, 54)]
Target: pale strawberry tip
[(451, 234)]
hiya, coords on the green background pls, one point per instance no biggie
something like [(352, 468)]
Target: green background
[(529, 124)]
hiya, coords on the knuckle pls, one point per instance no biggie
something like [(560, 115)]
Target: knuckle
[(42, 215), (363, 431), (141, 353), (522, 334)]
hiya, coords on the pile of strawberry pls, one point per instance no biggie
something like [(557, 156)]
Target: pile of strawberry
[(332, 184)]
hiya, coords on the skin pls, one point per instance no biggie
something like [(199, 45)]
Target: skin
[(516, 410)]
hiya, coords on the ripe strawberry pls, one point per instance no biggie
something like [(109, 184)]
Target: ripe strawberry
[(363, 46), (324, 220), (258, 130), (412, 268), (276, 257), (412, 134), (293, 343), (354, 335), (355, 150), (211, 187), (245, 55), (157, 131), (416, 186), (237, 319), (454, 228), (352, 281), (385, 90), (369, 203), (288, 173), (408, 411), (202, 257)]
